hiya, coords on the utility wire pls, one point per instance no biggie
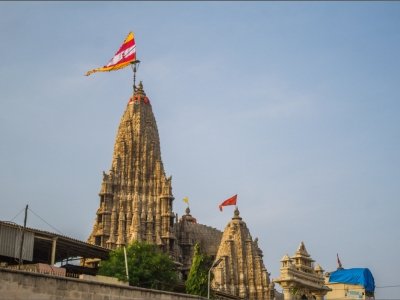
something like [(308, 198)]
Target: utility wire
[(378, 287), (17, 214), (45, 221)]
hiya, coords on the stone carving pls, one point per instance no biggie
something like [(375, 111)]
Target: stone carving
[(189, 232), (136, 204), (241, 272), (136, 195)]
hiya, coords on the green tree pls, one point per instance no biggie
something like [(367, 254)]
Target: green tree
[(197, 281), (148, 267)]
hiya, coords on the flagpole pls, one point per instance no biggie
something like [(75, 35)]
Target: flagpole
[(134, 69)]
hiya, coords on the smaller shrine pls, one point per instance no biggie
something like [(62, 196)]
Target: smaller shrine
[(300, 279), (240, 270)]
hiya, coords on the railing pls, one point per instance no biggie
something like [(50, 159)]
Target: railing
[(43, 269), (54, 271), (72, 275)]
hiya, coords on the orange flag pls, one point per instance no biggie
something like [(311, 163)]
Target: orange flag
[(230, 201)]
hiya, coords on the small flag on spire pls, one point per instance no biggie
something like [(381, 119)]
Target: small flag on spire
[(230, 201), (186, 200), (124, 56), (339, 262)]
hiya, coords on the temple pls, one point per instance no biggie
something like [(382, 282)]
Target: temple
[(190, 232), (136, 204), (241, 271), (136, 195)]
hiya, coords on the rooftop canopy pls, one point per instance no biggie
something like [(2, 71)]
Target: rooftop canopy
[(43, 246), (358, 276)]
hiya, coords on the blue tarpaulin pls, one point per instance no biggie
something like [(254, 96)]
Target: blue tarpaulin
[(360, 276)]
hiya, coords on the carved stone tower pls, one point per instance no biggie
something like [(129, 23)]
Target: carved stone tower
[(135, 195), (136, 205), (241, 271)]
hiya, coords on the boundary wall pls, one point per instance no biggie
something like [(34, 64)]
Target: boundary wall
[(22, 285)]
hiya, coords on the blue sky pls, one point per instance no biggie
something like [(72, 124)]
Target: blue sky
[(291, 105)]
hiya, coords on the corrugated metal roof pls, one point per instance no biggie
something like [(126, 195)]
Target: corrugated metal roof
[(66, 247), (10, 242)]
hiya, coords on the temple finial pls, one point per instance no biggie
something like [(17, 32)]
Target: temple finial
[(236, 214)]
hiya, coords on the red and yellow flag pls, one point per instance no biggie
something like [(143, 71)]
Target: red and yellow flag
[(124, 56), (230, 201)]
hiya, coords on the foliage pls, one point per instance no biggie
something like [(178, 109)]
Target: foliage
[(197, 282), (148, 267)]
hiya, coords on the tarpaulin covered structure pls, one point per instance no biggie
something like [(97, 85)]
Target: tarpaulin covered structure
[(360, 276)]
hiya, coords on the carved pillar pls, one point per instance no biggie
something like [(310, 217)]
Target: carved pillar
[(250, 268), (287, 295), (135, 223), (158, 222), (121, 227), (111, 241), (143, 217), (149, 223), (233, 270), (129, 217)]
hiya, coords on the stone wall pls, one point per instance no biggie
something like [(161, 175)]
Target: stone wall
[(22, 285)]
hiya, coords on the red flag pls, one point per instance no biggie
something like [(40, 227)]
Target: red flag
[(230, 201)]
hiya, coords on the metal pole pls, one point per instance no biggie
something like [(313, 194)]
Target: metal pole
[(21, 246), (126, 265), (134, 77), (53, 251), (208, 285), (215, 263), (134, 69)]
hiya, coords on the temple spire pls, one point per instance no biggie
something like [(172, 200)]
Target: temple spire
[(139, 200), (242, 272)]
